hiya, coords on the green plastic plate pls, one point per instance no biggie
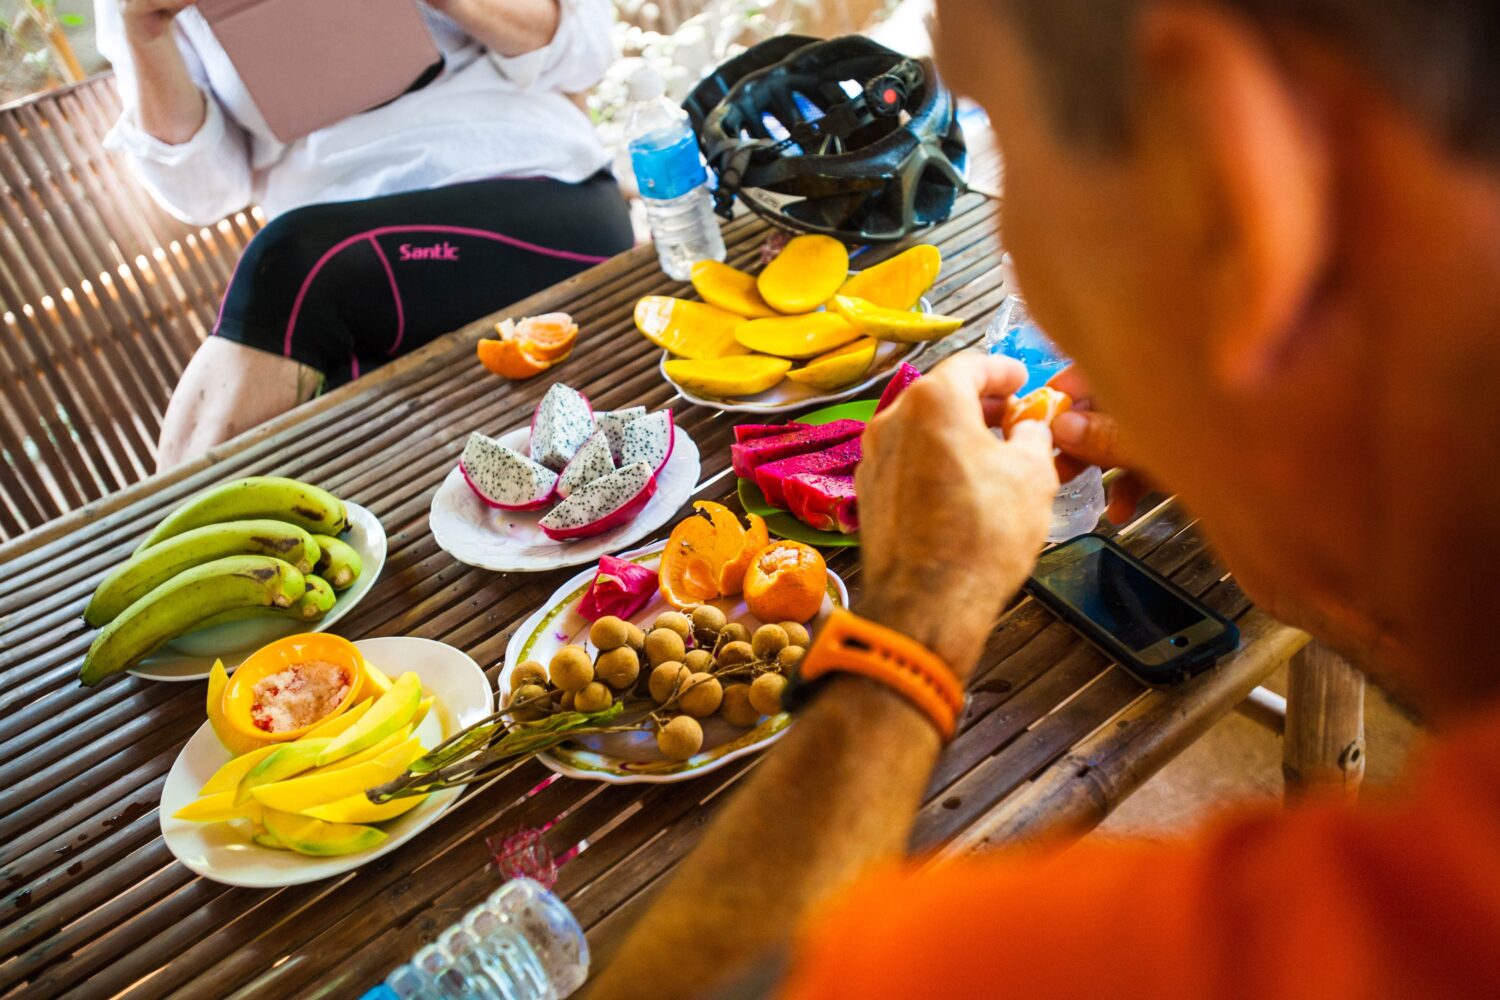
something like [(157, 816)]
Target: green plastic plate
[(779, 522)]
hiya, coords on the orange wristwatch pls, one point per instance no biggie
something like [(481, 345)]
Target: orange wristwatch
[(854, 645)]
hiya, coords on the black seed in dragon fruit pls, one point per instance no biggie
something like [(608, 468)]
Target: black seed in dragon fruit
[(650, 440), (503, 477), (602, 505), (612, 423), (562, 423), (592, 462)]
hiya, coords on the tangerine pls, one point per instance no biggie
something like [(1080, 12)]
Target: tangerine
[(1044, 404), (549, 336), (786, 581), (705, 555)]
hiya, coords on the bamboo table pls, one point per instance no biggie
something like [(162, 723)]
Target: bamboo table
[(94, 904)]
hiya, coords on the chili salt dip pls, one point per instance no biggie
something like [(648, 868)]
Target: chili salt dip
[(298, 696)]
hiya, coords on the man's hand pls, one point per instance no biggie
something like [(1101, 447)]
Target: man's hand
[(150, 20), (951, 516), (1087, 437)]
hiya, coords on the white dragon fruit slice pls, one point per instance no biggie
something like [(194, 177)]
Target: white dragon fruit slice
[(649, 440), (601, 505), (562, 423), (612, 423), (592, 462), (503, 477)]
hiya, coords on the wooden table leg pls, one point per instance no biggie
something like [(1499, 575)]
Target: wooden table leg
[(1324, 746)]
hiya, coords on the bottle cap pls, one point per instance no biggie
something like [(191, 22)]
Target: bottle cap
[(644, 83)]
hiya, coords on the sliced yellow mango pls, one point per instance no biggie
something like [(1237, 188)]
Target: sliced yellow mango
[(422, 709), (729, 377), (379, 682), (894, 324), (837, 368), (227, 778), (390, 712), (303, 793), (266, 839), (287, 760), (688, 329), (391, 742), (730, 289), (306, 835), (339, 723), (358, 808), (219, 807), (900, 282), (805, 274), (796, 337), (233, 740)]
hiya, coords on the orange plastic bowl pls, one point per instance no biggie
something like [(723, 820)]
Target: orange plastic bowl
[(239, 695)]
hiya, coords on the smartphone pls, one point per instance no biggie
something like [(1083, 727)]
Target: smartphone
[(1140, 619)]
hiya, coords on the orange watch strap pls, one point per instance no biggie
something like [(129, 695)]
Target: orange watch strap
[(855, 645)]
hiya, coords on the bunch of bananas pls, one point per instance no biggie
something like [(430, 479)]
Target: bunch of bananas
[(265, 545)]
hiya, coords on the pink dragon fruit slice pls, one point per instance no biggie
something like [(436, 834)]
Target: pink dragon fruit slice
[(612, 423), (754, 432), (620, 588), (826, 503), (563, 421), (601, 505), (592, 462), (905, 376), (839, 460), (650, 440), (748, 456), (503, 477)]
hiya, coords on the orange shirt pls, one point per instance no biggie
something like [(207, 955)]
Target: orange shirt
[(1399, 898)]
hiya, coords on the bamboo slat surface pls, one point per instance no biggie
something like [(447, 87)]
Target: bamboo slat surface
[(103, 298), (93, 903)]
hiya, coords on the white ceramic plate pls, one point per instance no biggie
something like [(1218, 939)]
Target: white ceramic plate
[(509, 541), (190, 657), (632, 758), (218, 852), (788, 395)]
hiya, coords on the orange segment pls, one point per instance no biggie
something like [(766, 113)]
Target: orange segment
[(1044, 404), (732, 576), (786, 581), (550, 336)]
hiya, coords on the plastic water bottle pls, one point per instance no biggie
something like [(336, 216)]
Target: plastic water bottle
[(1080, 502), (521, 943), (671, 177)]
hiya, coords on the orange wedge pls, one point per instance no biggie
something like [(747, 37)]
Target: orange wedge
[(550, 336), (1044, 404)]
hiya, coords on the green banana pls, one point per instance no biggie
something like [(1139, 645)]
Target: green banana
[(184, 601), (310, 607), (149, 569), (339, 564), (275, 497)]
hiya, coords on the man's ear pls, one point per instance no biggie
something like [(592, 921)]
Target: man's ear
[(1250, 159)]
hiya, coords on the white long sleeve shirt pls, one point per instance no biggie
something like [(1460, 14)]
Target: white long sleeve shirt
[(485, 116)]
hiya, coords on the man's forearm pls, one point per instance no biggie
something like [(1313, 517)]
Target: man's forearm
[(170, 106), (507, 27), (835, 795)]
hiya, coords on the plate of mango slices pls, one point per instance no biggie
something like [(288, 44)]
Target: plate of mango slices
[(249, 812), (804, 331)]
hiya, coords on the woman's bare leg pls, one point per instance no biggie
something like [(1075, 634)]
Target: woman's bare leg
[(228, 388)]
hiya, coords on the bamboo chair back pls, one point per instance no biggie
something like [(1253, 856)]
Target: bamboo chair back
[(103, 298)]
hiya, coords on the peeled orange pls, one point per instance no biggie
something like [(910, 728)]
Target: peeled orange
[(1044, 404), (510, 358), (707, 554), (786, 581)]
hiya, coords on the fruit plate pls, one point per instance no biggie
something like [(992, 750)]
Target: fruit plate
[(190, 657), (788, 395), (779, 522), (510, 540), (632, 758), (219, 853)]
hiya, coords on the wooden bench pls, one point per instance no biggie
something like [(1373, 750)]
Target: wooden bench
[(103, 298)]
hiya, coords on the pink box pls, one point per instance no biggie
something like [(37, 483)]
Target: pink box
[(310, 63)]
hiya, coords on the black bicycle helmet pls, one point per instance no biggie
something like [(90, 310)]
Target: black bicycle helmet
[(844, 137)]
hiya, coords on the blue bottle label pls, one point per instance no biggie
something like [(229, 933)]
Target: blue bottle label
[(667, 168)]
